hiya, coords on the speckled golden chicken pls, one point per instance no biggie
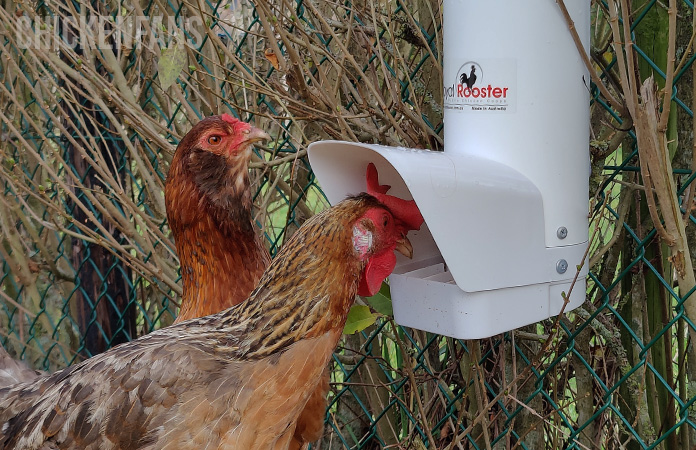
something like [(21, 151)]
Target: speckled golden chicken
[(238, 379)]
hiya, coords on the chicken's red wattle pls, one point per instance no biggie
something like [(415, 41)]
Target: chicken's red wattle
[(377, 270)]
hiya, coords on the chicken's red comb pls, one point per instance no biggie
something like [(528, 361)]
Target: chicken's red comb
[(229, 119), (373, 186), (404, 211)]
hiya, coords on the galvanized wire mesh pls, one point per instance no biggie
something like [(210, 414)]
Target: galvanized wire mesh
[(87, 260)]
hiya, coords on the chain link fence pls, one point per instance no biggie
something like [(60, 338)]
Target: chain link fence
[(88, 262)]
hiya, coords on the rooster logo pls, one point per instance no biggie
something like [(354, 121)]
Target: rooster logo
[(470, 79)]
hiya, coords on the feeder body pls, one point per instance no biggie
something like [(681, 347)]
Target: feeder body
[(515, 171), (539, 122)]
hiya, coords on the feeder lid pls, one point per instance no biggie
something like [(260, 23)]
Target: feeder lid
[(485, 219)]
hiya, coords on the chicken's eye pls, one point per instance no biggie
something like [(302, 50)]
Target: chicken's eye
[(214, 139), (385, 221)]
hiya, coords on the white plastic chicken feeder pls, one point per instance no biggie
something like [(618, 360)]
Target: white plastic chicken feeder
[(505, 205)]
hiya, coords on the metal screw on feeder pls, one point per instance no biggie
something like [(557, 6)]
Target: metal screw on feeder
[(505, 202), (562, 233), (562, 266)]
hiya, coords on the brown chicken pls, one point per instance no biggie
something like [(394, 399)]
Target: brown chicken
[(238, 379), (208, 202)]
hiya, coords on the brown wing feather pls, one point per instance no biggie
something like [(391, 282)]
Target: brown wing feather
[(178, 394), (107, 401)]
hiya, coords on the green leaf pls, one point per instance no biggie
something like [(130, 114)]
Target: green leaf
[(172, 61), (381, 301), (359, 318)]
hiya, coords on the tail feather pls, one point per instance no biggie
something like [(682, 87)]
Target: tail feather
[(13, 371)]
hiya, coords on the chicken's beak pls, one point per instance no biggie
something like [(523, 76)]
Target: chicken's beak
[(404, 247), (256, 135)]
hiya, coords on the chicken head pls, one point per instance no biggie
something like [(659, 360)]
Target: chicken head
[(386, 234), (224, 135), (375, 238)]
